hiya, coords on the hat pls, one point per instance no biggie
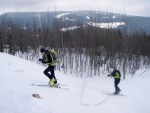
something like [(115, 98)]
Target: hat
[(42, 50)]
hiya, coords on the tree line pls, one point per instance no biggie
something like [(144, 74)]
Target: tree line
[(85, 50)]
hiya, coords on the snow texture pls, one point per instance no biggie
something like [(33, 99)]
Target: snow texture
[(85, 95)]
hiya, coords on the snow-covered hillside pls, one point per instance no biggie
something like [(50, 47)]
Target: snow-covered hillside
[(85, 95)]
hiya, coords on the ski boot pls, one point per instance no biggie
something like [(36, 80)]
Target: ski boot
[(53, 83), (117, 92)]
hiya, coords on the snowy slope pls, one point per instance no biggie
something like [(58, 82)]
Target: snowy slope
[(85, 95)]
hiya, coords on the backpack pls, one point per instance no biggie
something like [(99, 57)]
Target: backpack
[(54, 55), (118, 72)]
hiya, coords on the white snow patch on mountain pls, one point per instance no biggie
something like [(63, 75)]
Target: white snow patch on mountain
[(69, 28), (62, 14), (106, 25)]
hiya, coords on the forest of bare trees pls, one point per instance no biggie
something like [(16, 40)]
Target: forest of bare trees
[(89, 50)]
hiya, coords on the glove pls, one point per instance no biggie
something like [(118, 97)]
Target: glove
[(43, 62), (108, 75), (40, 59)]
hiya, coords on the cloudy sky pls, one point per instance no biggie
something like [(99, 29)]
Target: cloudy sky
[(129, 7)]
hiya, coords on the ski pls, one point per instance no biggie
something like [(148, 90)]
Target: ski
[(39, 85), (59, 84), (43, 85), (49, 85), (119, 94)]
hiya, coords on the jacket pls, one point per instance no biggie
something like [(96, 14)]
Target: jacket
[(48, 58), (116, 74)]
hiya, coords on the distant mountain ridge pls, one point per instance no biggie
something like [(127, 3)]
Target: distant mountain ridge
[(71, 18)]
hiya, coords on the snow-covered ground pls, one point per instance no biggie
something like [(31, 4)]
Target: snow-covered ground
[(85, 95)]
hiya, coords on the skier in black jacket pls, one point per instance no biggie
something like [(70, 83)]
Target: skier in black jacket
[(117, 76), (48, 59)]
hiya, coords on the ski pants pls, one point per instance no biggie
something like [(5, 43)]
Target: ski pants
[(51, 70), (116, 82)]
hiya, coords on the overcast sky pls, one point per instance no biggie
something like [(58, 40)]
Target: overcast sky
[(129, 7)]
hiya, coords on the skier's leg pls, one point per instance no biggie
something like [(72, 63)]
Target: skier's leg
[(52, 71), (115, 86), (46, 73), (51, 68), (117, 81)]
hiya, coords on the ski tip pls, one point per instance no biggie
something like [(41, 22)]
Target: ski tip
[(63, 88)]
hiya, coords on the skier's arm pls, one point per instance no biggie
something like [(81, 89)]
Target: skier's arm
[(48, 59), (42, 60), (110, 75)]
